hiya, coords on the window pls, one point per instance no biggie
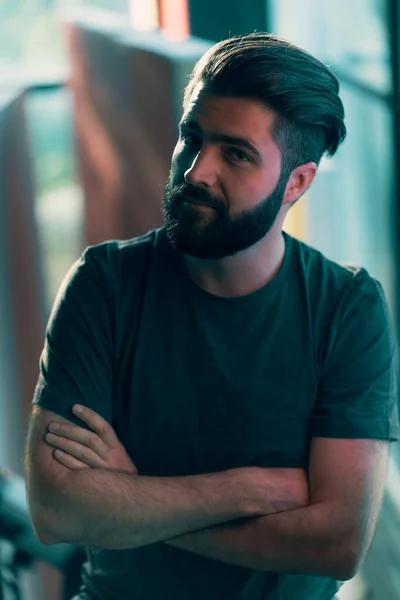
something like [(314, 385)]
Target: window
[(349, 35)]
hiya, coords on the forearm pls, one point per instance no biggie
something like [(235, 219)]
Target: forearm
[(117, 510), (303, 540)]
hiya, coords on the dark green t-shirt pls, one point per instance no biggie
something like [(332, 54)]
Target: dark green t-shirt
[(194, 383)]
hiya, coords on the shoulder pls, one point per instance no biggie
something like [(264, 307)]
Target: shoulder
[(109, 264), (121, 262), (333, 282), (113, 251), (348, 308)]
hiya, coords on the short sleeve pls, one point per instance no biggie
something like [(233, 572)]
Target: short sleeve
[(77, 361), (358, 388)]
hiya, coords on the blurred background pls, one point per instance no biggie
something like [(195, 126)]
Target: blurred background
[(90, 98)]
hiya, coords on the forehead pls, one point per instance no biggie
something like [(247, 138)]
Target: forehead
[(235, 117)]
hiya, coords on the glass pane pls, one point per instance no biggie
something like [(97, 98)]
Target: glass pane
[(115, 5), (29, 36), (59, 207), (351, 35), (350, 204)]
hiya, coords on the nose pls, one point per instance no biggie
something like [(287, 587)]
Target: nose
[(203, 170)]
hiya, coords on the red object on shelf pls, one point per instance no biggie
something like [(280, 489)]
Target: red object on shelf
[(174, 18)]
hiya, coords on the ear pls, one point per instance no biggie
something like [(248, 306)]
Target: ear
[(300, 180)]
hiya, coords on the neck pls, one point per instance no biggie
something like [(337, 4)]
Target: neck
[(242, 273)]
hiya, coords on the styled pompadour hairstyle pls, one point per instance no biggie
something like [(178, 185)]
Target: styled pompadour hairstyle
[(301, 90)]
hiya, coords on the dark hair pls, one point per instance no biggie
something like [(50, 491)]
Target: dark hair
[(300, 89)]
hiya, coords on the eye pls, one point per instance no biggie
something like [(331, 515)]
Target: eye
[(239, 155)]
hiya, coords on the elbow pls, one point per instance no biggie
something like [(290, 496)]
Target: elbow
[(347, 572), (350, 565), (49, 529), (45, 537), (51, 535), (45, 534)]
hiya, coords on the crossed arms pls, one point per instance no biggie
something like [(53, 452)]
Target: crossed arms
[(266, 519)]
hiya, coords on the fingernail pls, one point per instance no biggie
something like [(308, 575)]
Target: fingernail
[(54, 427), (77, 408)]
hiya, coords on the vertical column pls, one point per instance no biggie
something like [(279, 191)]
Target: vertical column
[(394, 40), (21, 309), (128, 89)]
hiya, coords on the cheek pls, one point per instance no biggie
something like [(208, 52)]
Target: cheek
[(264, 184), (246, 190)]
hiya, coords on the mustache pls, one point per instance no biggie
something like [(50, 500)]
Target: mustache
[(183, 192)]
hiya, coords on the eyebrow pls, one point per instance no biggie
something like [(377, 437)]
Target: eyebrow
[(222, 137)]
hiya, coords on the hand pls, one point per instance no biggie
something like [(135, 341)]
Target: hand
[(83, 449)]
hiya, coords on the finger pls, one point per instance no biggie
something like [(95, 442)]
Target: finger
[(78, 451), (97, 424), (69, 461), (81, 436)]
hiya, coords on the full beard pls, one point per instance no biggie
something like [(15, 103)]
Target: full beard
[(216, 234)]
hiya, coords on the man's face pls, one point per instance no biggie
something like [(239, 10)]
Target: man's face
[(225, 189)]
